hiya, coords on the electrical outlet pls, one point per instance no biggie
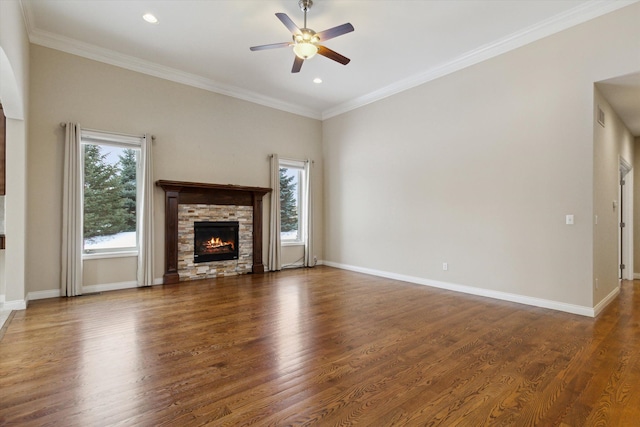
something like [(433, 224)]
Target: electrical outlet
[(596, 283), (445, 266)]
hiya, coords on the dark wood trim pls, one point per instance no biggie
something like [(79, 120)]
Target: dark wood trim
[(195, 187), (171, 237), (178, 192), (2, 241), (258, 266)]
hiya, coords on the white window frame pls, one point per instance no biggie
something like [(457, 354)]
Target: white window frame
[(300, 166), (93, 137)]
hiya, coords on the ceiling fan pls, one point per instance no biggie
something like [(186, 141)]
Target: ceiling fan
[(306, 42)]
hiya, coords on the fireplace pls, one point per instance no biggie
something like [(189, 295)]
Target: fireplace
[(197, 195), (215, 240)]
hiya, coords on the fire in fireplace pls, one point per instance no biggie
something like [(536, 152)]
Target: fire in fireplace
[(215, 240)]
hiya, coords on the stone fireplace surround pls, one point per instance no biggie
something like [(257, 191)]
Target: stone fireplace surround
[(190, 213), (218, 196)]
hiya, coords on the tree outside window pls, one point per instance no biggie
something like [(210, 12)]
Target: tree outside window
[(110, 197), (291, 177)]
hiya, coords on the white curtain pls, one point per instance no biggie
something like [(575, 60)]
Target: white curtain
[(145, 216), (71, 254), (275, 258), (308, 208)]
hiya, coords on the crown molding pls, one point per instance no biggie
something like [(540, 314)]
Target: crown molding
[(578, 15), (86, 50), (586, 11)]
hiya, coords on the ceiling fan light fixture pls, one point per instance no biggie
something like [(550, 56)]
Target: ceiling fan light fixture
[(305, 50), (306, 44)]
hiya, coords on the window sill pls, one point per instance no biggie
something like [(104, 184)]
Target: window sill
[(292, 243), (101, 255)]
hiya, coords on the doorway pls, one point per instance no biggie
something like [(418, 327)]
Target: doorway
[(625, 217)]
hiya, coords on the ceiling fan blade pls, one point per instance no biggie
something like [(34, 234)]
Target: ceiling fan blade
[(297, 65), (288, 23), (335, 31), (331, 54), (270, 46)]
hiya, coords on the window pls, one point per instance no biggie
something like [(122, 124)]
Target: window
[(111, 174), (291, 196)]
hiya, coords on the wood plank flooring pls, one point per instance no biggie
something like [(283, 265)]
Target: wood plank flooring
[(320, 347)]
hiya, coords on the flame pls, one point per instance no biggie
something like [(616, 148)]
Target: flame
[(216, 242)]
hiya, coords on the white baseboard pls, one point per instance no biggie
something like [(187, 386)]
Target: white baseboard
[(292, 266), (55, 293), (52, 293), (505, 296), (636, 276), (11, 305), (15, 305), (104, 287), (606, 301), (319, 262)]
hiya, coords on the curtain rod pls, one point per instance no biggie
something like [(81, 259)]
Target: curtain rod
[(292, 160), (153, 138)]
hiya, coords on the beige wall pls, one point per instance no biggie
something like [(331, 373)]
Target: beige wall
[(14, 95), (200, 136), (610, 143), (479, 168)]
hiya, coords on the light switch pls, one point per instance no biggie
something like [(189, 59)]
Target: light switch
[(569, 220)]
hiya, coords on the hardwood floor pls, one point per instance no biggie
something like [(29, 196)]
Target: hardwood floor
[(317, 347)]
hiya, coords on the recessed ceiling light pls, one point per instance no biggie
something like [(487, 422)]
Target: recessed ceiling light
[(150, 18), (317, 80)]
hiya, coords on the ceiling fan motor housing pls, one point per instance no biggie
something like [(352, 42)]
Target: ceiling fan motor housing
[(306, 35), (305, 5)]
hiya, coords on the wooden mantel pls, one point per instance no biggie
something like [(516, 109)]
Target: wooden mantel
[(177, 192)]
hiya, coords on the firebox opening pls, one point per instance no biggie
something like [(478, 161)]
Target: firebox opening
[(215, 240)]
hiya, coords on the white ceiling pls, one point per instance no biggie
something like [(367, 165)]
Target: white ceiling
[(397, 44)]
